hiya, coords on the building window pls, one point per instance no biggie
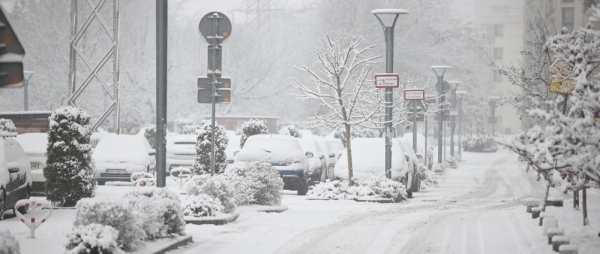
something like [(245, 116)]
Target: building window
[(498, 52), (568, 18), (499, 30)]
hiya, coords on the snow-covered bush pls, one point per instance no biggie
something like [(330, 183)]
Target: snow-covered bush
[(217, 186), (255, 183), (69, 169), (374, 187), (203, 149), (480, 144), (427, 176), (252, 127), (189, 129), (8, 243), (92, 238), (290, 130), (158, 210), (114, 213), (202, 206), (7, 126), (356, 132), (150, 134)]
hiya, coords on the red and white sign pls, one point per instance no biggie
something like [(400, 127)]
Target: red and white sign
[(453, 112), (387, 80), (414, 95)]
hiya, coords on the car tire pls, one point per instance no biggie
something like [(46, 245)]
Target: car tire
[(24, 209), (303, 188), (416, 182), (2, 203), (409, 192)]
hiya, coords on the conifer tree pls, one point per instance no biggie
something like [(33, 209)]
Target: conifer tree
[(203, 149), (252, 127)]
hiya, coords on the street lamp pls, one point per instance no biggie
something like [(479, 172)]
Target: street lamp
[(440, 70), (454, 85), (28, 75), (390, 16), (460, 116), (493, 112)]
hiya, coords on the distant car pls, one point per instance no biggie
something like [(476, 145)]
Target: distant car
[(368, 159), (116, 157), (421, 148), (35, 145), (284, 154), (413, 163), (233, 146), (96, 136), (181, 151), (317, 163), (330, 156), (336, 146), (15, 173)]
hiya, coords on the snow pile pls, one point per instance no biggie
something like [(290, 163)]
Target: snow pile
[(202, 205), (158, 211), (217, 186), (374, 187), (255, 183), (92, 238), (7, 127), (8, 242), (290, 130), (480, 144), (114, 213)]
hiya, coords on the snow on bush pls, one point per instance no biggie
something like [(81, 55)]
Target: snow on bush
[(217, 186), (531, 202), (189, 129), (252, 127), (92, 238), (203, 149), (114, 213), (255, 183), (480, 144), (150, 134), (7, 126), (374, 187), (69, 169), (8, 243), (427, 176), (290, 130), (202, 206), (158, 210)]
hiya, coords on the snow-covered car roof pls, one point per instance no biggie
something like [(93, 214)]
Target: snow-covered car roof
[(122, 148), (33, 143), (309, 144), (335, 144), (271, 148), (368, 159)]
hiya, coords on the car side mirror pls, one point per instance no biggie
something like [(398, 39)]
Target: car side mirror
[(321, 157), (151, 152), (331, 155), (309, 155), (13, 170), (406, 156)]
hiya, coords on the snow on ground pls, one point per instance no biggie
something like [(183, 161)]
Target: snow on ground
[(475, 209)]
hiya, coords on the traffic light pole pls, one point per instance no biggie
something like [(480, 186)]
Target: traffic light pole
[(161, 91), (214, 95)]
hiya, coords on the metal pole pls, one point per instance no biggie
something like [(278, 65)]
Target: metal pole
[(116, 82), (214, 96), (414, 125), (72, 53), (444, 137), (161, 90), (25, 92), (460, 116), (440, 118), (425, 119), (389, 68), (453, 124), (493, 117)]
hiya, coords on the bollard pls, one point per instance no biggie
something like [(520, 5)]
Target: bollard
[(529, 207), (181, 176), (568, 249), (33, 204), (544, 215), (559, 240), (143, 182), (535, 212), (549, 223), (140, 175)]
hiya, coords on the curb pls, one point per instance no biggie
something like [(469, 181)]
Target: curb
[(162, 248), (379, 200), (271, 209), (213, 221)]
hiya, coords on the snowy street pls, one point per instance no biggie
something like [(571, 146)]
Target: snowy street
[(475, 209)]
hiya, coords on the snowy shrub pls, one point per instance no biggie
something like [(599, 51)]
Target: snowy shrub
[(150, 134), (480, 144), (427, 176), (201, 206), (8, 243), (217, 186), (158, 210), (93, 238), (189, 129), (111, 213), (255, 183), (356, 132), (203, 149), (531, 202), (7, 126), (69, 169), (252, 127), (374, 187), (290, 130)]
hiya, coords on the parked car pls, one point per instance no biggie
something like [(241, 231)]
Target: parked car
[(181, 151), (317, 165), (284, 153), (413, 162), (15, 173), (420, 152), (116, 157), (233, 146), (330, 157), (35, 145), (336, 146), (368, 159)]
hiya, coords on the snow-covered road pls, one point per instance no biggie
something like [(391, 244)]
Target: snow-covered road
[(474, 209)]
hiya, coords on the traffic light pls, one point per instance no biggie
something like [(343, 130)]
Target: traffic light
[(11, 55)]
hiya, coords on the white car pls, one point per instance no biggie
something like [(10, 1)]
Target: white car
[(368, 159), (233, 146), (336, 146), (15, 173), (330, 156), (116, 157), (284, 153), (317, 163), (181, 151), (420, 148), (35, 145), (413, 162)]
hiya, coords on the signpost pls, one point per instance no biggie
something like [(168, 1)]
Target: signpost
[(414, 95), (215, 28), (387, 80), (454, 112)]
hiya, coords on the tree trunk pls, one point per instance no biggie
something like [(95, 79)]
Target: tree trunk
[(586, 222), (576, 200), (546, 197), (349, 153)]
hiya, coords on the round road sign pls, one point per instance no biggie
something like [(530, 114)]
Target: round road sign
[(207, 27)]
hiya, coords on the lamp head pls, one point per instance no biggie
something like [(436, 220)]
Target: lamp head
[(439, 70), (454, 84), (388, 17)]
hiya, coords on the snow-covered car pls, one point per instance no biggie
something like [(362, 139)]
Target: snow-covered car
[(284, 153), (336, 146), (181, 151), (413, 162), (330, 157), (368, 159), (15, 173), (116, 157), (233, 146), (35, 145), (317, 165), (420, 148)]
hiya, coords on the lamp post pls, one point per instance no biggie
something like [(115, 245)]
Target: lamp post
[(28, 75), (493, 112), (440, 70), (390, 16), (460, 116), (454, 85)]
